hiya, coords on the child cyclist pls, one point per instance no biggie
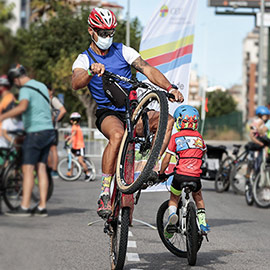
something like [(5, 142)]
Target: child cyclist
[(188, 145), (78, 146)]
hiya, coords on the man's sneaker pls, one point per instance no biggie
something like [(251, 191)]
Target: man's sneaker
[(54, 174), (170, 228), (19, 212), (40, 213), (104, 206), (205, 228)]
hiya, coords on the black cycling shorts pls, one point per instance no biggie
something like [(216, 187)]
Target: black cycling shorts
[(101, 114), (179, 178)]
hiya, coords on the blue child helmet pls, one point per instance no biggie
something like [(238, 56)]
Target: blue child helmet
[(262, 110), (186, 116)]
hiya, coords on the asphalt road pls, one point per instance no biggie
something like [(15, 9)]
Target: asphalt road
[(240, 236)]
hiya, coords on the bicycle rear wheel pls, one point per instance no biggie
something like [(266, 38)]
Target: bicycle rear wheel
[(119, 239), (63, 169), (147, 144), (261, 189), (36, 194), (222, 180), (192, 234), (176, 244), (238, 176), (91, 167)]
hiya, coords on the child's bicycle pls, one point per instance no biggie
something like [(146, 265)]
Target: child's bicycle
[(69, 168), (187, 235)]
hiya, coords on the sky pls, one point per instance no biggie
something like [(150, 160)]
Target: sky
[(217, 51)]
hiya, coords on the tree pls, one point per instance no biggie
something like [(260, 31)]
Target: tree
[(6, 39), (220, 103), (48, 50)]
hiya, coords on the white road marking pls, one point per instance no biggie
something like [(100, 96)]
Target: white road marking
[(133, 257), (130, 233), (132, 244)]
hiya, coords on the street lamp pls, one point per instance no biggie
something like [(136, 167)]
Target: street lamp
[(128, 24)]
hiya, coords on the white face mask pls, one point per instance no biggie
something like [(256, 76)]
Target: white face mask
[(103, 43)]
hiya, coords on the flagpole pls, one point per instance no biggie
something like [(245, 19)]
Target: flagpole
[(128, 24)]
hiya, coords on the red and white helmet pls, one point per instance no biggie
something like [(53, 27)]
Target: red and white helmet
[(4, 81), (75, 116), (102, 19)]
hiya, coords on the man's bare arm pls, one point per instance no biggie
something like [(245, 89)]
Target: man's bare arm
[(80, 78), (155, 76)]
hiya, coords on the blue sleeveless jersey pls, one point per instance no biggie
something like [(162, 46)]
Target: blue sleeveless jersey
[(113, 62)]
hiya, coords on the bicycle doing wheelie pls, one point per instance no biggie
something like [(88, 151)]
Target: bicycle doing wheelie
[(187, 236), (148, 142)]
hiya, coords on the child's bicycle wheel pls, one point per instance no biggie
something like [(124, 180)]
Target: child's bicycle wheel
[(147, 144), (176, 244), (64, 171), (91, 168)]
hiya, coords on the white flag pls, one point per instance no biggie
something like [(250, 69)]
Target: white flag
[(167, 42)]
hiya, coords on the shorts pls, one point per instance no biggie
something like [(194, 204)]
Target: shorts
[(101, 114), (55, 141), (78, 152), (178, 179), (36, 146)]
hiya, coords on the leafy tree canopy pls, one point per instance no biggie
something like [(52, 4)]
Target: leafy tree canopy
[(220, 103)]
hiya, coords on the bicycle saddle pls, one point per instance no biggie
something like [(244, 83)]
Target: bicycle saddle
[(17, 132), (237, 145), (191, 185)]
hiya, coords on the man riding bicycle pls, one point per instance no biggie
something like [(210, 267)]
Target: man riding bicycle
[(88, 68)]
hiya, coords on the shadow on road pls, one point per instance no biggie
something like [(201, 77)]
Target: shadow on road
[(225, 222), (205, 260), (67, 210)]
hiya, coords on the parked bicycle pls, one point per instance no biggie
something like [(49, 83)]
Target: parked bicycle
[(12, 178), (187, 236), (148, 144), (261, 184), (69, 168)]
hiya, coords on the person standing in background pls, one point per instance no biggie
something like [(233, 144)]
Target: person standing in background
[(58, 111)]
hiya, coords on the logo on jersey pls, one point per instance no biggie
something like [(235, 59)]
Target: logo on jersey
[(198, 143)]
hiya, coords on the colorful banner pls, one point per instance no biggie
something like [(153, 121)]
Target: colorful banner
[(167, 44)]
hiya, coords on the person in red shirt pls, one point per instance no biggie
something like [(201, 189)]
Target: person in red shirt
[(188, 145), (78, 146)]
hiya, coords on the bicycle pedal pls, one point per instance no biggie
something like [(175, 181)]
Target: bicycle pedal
[(171, 228)]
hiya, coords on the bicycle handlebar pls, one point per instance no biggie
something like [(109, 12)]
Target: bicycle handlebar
[(134, 82)]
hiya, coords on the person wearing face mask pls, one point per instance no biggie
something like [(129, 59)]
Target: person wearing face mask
[(34, 105), (103, 54)]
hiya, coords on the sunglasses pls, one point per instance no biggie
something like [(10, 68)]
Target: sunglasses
[(105, 33)]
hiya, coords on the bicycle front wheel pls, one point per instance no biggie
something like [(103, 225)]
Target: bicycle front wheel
[(146, 143), (12, 180), (176, 244), (65, 173), (238, 176), (192, 234), (222, 180), (119, 240), (261, 189)]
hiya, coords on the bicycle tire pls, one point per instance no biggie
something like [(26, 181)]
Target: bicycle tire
[(91, 168), (12, 186), (192, 234), (62, 169), (153, 150), (261, 191), (222, 179), (36, 194), (118, 247), (237, 177), (176, 244)]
